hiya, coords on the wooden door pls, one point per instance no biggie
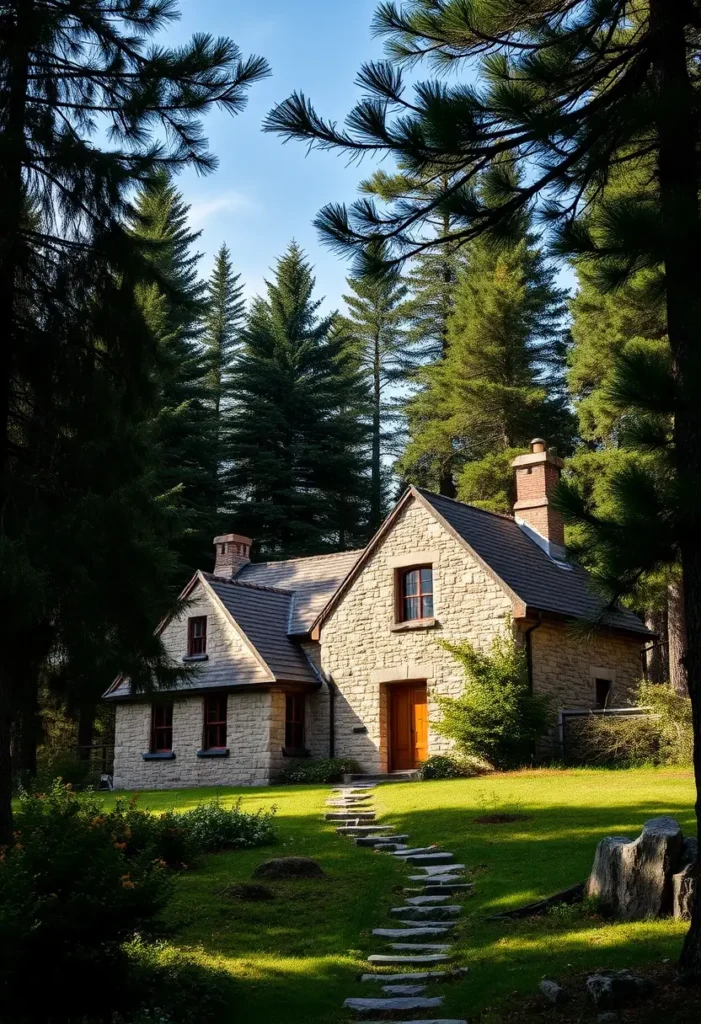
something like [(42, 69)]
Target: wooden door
[(408, 722)]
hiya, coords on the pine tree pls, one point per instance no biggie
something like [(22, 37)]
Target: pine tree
[(223, 322), (295, 436), (501, 380), (374, 326), (174, 308), (89, 109)]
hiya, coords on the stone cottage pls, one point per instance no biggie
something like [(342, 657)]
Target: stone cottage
[(337, 654)]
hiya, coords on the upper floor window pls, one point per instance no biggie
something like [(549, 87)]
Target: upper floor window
[(294, 721), (197, 635), (161, 728), (215, 722), (415, 599)]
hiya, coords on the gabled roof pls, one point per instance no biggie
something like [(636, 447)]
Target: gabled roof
[(313, 580), (534, 581)]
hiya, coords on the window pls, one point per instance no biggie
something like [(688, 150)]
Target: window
[(294, 721), (161, 728), (215, 722), (603, 692), (415, 594), (197, 635)]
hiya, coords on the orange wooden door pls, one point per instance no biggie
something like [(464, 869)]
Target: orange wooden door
[(408, 726)]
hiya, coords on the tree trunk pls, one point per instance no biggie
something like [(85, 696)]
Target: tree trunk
[(376, 457), (676, 634), (681, 238), (5, 760), (86, 731), (27, 730), (657, 667)]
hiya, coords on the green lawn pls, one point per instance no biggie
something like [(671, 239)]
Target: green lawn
[(298, 957)]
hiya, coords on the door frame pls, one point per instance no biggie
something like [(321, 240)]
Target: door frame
[(390, 689)]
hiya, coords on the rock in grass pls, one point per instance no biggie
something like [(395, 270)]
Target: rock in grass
[(408, 933), (612, 990), (399, 1003), (289, 867), (553, 992), (403, 990), (251, 892), (392, 959), (425, 913), (420, 901)]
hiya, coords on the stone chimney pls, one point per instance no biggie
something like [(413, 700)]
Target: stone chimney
[(537, 476), (231, 553)]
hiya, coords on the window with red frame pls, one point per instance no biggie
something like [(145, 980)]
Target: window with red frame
[(215, 722), (161, 728), (415, 594), (197, 635), (294, 721)]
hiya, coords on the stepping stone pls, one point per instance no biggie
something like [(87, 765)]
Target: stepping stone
[(419, 849), (377, 840), (423, 901), (436, 888), (420, 947), (389, 959), (350, 816), (363, 830), (390, 847), (433, 1020), (443, 925), (399, 1003), (415, 976), (426, 858), (425, 913), (441, 869), (408, 933), (403, 990)]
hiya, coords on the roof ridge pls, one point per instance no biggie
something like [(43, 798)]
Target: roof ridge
[(251, 586), (467, 504), (306, 558)]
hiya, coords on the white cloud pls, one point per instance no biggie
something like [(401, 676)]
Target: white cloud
[(203, 210)]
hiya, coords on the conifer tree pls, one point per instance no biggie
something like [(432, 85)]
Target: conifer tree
[(89, 108), (501, 381), (374, 326), (174, 307), (295, 436)]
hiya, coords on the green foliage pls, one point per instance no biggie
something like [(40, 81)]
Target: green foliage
[(331, 769), (211, 827), (296, 436), (439, 766), (490, 483), (674, 720), (497, 717)]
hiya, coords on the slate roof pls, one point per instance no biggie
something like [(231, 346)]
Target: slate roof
[(313, 580), (263, 614), (540, 582)]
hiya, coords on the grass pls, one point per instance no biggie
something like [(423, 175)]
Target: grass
[(298, 957)]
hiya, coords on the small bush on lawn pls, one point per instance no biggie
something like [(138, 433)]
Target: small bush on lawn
[(173, 986), (497, 717), (674, 720), (212, 827), (70, 893), (331, 769), (441, 767)]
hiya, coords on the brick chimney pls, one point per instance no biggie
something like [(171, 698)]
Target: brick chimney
[(537, 476), (231, 553)]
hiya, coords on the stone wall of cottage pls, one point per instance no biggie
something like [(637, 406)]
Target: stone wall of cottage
[(318, 709), (363, 652), (255, 722)]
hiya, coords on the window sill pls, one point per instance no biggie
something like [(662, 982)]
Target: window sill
[(195, 657), (295, 752), (403, 627), (161, 755), (214, 752)]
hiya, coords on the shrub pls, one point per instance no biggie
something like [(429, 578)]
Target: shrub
[(212, 827), (441, 767), (674, 719), (331, 769), (70, 893), (497, 717)]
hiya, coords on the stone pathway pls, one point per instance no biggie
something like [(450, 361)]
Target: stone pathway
[(427, 914)]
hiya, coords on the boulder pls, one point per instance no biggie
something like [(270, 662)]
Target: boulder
[(289, 867), (684, 881), (553, 992), (251, 892), (612, 990), (633, 880)]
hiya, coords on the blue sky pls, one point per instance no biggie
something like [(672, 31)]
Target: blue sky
[(265, 193)]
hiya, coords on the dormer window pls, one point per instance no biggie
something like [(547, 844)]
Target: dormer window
[(197, 635), (415, 597)]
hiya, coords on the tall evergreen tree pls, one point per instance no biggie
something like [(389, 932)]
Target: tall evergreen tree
[(374, 326), (295, 437), (88, 109), (577, 89), (223, 322), (501, 381), (174, 307)]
